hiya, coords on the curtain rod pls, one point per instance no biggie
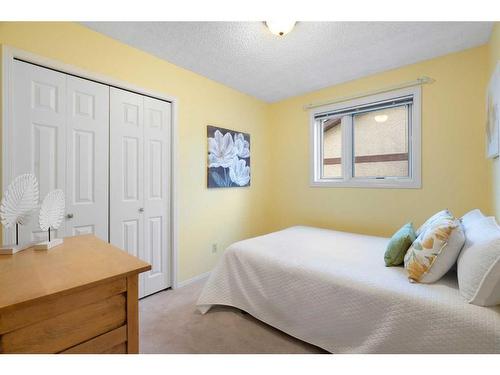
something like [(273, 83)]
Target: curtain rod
[(419, 81)]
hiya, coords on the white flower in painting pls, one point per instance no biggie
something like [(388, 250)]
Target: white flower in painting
[(221, 150), (239, 172), (242, 147)]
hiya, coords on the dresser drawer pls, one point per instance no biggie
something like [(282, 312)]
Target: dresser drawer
[(68, 329), (15, 318), (105, 343)]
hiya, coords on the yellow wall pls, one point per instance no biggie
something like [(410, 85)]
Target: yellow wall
[(207, 216), (455, 173), (494, 57)]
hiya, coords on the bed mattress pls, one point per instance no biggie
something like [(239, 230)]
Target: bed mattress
[(331, 289)]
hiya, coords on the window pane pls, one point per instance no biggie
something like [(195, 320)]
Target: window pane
[(381, 143), (332, 147)]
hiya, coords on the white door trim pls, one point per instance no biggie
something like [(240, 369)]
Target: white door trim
[(11, 53)]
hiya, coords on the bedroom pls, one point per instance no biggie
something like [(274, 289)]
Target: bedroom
[(253, 133)]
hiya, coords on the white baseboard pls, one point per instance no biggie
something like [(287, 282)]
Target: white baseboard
[(192, 280)]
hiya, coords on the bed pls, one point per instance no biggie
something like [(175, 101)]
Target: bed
[(331, 289)]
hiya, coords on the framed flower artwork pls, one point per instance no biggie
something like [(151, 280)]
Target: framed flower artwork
[(228, 158)]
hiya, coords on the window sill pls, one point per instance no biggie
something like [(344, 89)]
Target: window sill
[(369, 184)]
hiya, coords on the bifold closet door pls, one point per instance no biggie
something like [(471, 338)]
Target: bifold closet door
[(125, 171), (157, 128), (109, 150), (39, 135), (60, 134), (139, 180), (87, 157)]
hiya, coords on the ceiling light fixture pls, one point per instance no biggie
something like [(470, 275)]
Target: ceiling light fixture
[(381, 118), (280, 28)]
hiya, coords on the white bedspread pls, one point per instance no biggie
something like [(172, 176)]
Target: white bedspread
[(331, 289)]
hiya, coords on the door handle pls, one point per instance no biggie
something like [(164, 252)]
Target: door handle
[(69, 216), (141, 210)]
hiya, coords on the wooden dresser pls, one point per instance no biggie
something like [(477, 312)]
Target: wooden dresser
[(80, 297)]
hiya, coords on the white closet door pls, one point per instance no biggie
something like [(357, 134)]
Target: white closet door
[(139, 183), (127, 172), (87, 142), (156, 194), (39, 135)]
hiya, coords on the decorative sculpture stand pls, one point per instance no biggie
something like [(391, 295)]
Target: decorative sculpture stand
[(51, 216), (18, 202)]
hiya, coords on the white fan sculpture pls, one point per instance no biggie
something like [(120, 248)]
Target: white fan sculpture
[(18, 203), (51, 216)]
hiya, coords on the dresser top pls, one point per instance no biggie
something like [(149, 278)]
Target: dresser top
[(78, 263)]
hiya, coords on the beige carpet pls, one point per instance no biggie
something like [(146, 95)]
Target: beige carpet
[(169, 323)]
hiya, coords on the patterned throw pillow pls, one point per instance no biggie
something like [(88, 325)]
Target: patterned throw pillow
[(432, 219), (435, 250)]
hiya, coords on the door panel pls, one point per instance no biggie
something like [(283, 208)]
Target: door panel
[(157, 194), (131, 178), (154, 254), (39, 135), (130, 233), (45, 156), (87, 157), (83, 229)]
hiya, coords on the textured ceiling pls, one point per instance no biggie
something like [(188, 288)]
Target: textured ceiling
[(248, 58)]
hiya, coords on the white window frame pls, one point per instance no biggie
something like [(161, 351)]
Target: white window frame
[(413, 181)]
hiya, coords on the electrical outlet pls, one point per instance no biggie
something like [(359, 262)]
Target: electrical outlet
[(214, 248)]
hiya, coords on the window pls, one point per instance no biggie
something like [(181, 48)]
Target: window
[(368, 142)]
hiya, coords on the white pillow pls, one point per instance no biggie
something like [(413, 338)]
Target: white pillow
[(479, 263), (470, 217)]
